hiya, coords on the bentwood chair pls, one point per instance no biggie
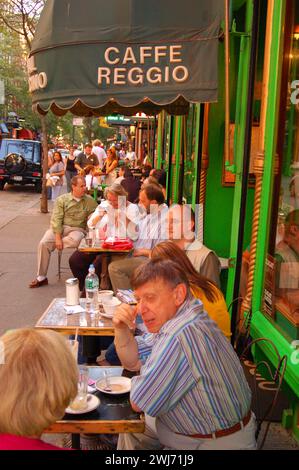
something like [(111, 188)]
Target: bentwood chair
[(60, 268), (265, 380)]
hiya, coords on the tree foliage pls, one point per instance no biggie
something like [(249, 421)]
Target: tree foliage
[(21, 16), (18, 19)]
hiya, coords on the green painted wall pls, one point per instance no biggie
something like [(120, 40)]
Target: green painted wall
[(219, 198)]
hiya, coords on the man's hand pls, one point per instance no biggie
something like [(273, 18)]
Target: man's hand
[(141, 252), (58, 242), (124, 317)]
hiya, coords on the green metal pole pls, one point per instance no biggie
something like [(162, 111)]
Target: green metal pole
[(177, 152), (161, 118), (241, 109), (196, 150), (272, 112), (169, 123)]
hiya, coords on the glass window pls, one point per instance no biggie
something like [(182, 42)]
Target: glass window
[(37, 151), (24, 148)]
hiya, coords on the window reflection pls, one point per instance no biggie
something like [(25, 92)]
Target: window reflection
[(287, 227)]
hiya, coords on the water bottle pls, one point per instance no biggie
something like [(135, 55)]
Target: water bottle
[(91, 289)]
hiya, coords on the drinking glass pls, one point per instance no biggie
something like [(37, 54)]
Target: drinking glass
[(74, 345), (80, 402)]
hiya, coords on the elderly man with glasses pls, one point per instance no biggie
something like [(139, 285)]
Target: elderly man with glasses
[(191, 385)]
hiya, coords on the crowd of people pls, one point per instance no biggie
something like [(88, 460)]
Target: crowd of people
[(98, 165), (188, 380)]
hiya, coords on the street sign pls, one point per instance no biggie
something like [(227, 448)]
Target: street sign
[(77, 121), (119, 120)]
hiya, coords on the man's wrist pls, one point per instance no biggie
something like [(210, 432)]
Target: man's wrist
[(122, 344)]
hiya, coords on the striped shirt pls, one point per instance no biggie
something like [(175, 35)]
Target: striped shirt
[(191, 379), (152, 228)]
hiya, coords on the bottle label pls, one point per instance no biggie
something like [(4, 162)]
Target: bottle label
[(91, 284)]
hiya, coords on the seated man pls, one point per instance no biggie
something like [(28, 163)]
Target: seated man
[(191, 384), (181, 226), (68, 226), (151, 232)]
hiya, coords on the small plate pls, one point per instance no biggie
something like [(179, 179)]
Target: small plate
[(92, 404), (119, 385)]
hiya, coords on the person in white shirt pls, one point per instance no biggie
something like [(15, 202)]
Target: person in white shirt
[(98, 150), (121, 175), (116, 217), (131, 155), (151, 232), (181, 226)]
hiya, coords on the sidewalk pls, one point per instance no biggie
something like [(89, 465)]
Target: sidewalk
[(20, 236), (22, 306)]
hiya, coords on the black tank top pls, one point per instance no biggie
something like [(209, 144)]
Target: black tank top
[(70, 165)]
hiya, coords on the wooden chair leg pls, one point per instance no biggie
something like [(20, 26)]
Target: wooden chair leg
[(59, 263)]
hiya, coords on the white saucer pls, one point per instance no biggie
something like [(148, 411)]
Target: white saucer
[(92, 404), (124, 382)]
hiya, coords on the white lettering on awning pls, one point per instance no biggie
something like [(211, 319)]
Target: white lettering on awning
[(165, 58)]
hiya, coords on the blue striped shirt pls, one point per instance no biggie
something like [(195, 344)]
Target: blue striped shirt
[(191, 379)]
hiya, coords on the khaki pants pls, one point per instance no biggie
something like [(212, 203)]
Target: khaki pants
[(121, 270), (141, 441), (158, 436), (71, 238)]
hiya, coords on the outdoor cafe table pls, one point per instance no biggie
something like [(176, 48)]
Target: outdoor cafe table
[(114, 414), (106, 253), (56, 318), (97, 248)]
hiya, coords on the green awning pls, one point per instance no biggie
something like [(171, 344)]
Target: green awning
[(97, 57)]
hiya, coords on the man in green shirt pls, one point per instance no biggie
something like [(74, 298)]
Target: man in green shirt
[(68, 226)]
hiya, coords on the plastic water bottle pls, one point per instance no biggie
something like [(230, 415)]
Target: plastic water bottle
[(91, 289)]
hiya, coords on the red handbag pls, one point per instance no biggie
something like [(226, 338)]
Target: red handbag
[(118, 244)]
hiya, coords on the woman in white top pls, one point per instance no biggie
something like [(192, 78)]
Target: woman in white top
[(115, 217), (131, 155)]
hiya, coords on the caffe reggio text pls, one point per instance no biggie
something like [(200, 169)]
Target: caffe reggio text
[(131, 66)]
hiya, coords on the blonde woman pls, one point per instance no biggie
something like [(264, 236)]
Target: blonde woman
[(110, 166), (201, 287), (38, 380)]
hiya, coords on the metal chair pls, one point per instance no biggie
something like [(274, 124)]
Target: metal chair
[(244, 346), (59, 267), (276, 376)]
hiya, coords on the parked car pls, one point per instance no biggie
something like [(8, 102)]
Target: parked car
[(20, 162)]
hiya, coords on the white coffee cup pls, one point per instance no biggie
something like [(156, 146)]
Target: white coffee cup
[(105, 295)]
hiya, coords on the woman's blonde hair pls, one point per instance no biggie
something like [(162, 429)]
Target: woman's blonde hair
[(38, 379), (113, 153), (169, 250)]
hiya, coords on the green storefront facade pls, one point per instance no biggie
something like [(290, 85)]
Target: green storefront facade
[(191, 148), (273, 187)]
